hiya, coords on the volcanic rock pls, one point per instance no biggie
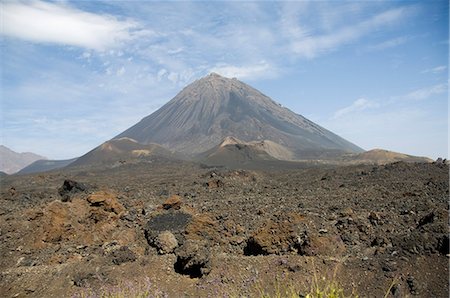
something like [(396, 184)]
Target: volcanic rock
[(108, 201), (174, 202), (172, 221), (71, 187), (166, 242), (193, 259), (122, 255)]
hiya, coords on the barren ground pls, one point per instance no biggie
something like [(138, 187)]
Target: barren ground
[(230, 232)]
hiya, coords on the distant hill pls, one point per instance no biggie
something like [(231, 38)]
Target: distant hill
[(380, 156), (122, 150), (12, 162), (214, 107), (45, 165)]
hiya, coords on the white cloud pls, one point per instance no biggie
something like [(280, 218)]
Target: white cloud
[(435, 70), (44, 22), (358, 105), (249, 72), (310, 46), (424, 93)]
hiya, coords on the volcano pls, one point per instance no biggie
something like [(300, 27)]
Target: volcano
[(213, 108)]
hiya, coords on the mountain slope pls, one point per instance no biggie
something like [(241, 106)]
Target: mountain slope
[(11, 162), (212, 108)]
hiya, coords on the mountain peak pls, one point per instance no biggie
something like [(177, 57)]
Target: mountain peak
[(217, 81), (214, 75), (214, 107)]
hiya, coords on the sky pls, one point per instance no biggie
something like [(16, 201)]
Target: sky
[(74, 74)]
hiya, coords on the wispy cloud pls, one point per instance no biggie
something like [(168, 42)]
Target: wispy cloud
[(425, 93), (358, 105), (390, 122), (436, 70), (391, 43), (59, 23), (363, 104), (310, 46)]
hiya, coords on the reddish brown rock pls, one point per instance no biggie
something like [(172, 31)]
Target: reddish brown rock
[(174, 202), (329, 245), (108, 201)]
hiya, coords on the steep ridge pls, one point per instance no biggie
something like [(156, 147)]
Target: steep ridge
[(212, 108)]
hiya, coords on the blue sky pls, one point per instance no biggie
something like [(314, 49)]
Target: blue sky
[(76, 73)]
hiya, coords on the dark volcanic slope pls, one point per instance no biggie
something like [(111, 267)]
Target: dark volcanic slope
[(44, 165), (214, 107)]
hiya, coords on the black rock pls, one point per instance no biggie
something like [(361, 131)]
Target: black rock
[(172, 221), (71, 187)]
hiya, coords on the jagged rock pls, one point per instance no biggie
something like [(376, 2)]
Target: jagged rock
[(108, 201), (71, 187), (276, 237)]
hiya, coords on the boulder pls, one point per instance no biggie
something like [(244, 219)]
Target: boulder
[(323, 245), (193, 259), (276, 236), (172, 221), (71, 187), (165, 242)]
